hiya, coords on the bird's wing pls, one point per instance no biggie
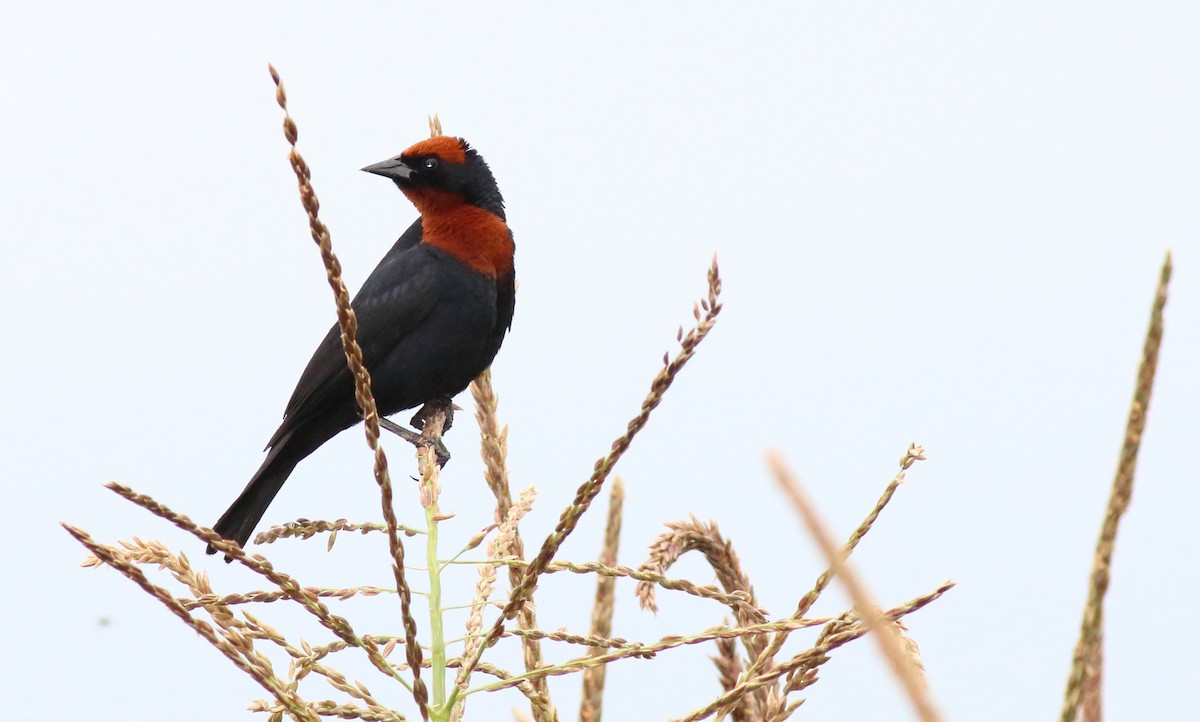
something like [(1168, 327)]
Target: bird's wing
[(397, 296)]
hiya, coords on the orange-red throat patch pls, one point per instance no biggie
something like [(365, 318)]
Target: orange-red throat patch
[(448, 148), (479, 239)]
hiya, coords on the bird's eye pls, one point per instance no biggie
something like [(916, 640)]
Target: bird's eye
[(431, 163)]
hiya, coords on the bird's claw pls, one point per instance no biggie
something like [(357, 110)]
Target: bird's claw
[(440, 452), (419, 440)]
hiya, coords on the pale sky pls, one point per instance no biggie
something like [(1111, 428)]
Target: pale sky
[(937, 222)]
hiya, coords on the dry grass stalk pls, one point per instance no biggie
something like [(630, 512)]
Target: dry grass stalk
[(429, 484), (1087, 648), (239, 635), (736, 601), (243, 658), (524, 686), (706, 538), (362, 389), (500, 545), (837, 633), (266, 597), (589, 489), (493, 447), (329, 708), (494, 450), (638, 650), (235, 637), (307, 528), (776, 706), (1091, 701), (913, 454), (729, 671), (258, 564), (591, 705), (886, 634), (306, 661), (724, 631)]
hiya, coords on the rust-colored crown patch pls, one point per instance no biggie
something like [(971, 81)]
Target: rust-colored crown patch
[(448, 148)]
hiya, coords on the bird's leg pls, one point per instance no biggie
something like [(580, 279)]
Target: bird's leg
[(421, 440), (418, 440), (411, 437)]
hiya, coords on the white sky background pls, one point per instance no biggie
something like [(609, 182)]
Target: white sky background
[(936, 222)]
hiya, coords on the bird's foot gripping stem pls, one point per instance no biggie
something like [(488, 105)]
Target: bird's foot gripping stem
[(429, 436)]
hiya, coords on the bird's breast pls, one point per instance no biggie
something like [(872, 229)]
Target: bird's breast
[(477, 238)]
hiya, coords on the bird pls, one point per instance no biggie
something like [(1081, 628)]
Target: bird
[(431, 316)]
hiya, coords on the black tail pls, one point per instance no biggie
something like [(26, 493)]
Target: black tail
[(238, 522)]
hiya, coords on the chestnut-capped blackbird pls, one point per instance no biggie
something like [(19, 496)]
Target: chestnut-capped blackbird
[(431, 316)]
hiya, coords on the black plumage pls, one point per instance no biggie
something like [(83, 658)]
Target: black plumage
[(431, 316)]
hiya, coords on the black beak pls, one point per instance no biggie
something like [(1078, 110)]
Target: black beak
[(393, 168)]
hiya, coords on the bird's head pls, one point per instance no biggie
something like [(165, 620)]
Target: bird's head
[(440, 173)]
